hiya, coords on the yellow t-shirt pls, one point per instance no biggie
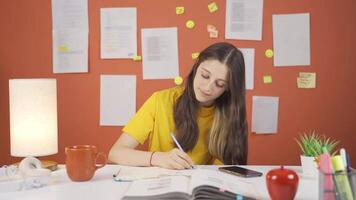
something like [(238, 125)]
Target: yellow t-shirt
[(154, 121)]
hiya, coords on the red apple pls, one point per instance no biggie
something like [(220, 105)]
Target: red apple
[(282, 184)]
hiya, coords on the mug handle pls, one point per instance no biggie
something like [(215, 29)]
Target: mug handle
[(100, 154)]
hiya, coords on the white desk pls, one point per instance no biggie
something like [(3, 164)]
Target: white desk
[(103, 187)]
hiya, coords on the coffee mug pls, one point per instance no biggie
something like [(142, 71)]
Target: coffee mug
[(81, 161)]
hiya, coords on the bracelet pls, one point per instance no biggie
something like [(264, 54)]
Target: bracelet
[(151, 158)]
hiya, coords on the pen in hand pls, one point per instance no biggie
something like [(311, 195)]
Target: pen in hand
[(178, 145)]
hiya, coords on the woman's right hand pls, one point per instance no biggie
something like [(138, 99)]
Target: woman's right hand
[(174, 159)]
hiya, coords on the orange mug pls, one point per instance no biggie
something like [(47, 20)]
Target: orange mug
[(81, 161)]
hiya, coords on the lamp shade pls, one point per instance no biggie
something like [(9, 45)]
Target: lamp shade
[(33, 117)]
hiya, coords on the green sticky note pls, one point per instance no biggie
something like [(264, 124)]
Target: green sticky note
[(267, 79)]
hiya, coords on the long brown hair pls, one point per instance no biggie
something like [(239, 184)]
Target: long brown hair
[(228, 134)]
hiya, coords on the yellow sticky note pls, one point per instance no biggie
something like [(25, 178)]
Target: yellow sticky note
[(195, 55), (302, 82), (179, 10), (178, 80), (269, 53), (213, 34), (267, 79), (137, 58), (212, 7), (306, 80), (63, 48), (211, 28), (190, 24), (307, 75), (306, 83)]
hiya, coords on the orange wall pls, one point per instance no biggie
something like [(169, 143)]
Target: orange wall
[(25, 51)]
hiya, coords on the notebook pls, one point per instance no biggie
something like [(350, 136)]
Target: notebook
[(128, 173), (200, 184)]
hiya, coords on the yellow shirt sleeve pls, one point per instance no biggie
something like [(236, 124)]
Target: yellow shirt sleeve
[(141, 125)]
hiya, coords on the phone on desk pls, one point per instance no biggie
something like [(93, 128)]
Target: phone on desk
[(240, 171)]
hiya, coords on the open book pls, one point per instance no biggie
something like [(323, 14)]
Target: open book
[(128, 173), (198, 184)]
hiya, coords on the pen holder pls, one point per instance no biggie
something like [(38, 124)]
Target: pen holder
[(338, 186)]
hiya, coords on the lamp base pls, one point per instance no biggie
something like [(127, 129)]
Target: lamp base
[(47, 164)]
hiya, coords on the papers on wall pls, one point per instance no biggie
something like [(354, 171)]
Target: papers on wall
[(70, 51), (244, 19), (70, 14), (70, 36), (249, 57), (118, 32), (264, 114), (117, 99), (291, 39), (306, 80), (159, 53)]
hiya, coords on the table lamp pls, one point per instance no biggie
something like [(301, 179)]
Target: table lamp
[(33, 118)]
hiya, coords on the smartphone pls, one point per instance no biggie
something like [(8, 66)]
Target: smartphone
[(240, 171)]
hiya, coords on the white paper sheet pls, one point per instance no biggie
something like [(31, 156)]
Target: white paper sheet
[(118, 28), (249, 57), (69, 14), (160, 53), (117, 99), (70, 51), (291, 39), (244, 19), (70, 36), (264, 114)]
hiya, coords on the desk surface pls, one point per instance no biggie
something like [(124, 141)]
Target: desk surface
[(102, 186)]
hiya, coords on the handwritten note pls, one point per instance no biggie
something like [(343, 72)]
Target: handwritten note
[(306, 80)]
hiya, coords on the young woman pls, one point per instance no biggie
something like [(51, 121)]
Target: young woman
[(207, 116)]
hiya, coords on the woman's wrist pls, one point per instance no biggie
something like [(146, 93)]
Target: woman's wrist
[(155, 159)]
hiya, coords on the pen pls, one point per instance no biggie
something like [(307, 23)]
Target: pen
[(327, 179), (176, 142), (342, 182), (178, 145), (117, 173), (343, 155), (350, 173), (117, 178)]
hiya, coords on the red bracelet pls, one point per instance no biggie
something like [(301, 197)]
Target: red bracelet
[(151, 158)]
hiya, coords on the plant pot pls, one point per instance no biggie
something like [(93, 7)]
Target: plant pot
[(309, 166)]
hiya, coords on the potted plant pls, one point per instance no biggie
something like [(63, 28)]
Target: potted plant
[(311, 146)]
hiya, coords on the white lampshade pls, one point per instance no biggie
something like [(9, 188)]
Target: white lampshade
[(33, 117)]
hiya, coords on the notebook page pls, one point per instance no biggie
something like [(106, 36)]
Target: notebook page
[(126, 173), (222, 181), (158, 186)]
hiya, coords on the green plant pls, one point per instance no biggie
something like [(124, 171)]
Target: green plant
[(311, 144)]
